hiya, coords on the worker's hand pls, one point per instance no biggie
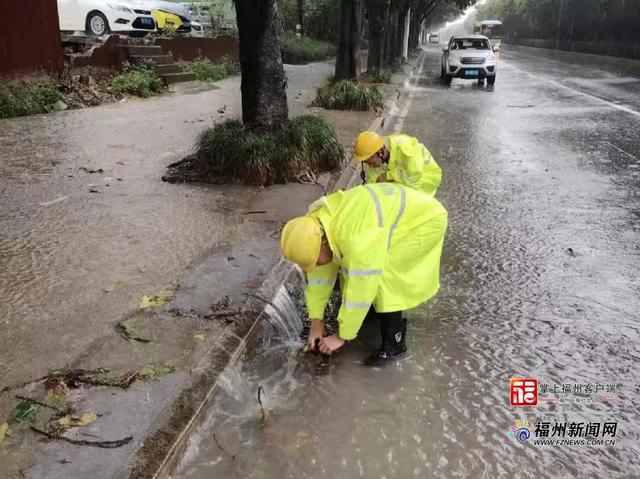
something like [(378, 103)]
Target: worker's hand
[(382, 178), (317, 332), (330, 344)]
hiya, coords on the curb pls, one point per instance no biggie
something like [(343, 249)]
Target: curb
[(161, 450)]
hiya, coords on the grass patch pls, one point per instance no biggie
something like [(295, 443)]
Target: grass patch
[(348, 95), (28, 98), (382, 77), (207, 70), (139, 80), (229, 151), (299, 50)]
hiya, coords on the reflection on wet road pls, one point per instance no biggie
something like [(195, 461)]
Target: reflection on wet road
[(540, 279)]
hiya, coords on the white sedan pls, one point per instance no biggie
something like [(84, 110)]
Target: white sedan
[(99, 17)]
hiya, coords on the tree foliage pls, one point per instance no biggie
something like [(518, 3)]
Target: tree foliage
[(593, 21), (320, 18)]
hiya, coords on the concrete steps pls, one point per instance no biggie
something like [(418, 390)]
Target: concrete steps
[(169, 78), (145, 50), (167, 68), (163, 64), (155, 59)]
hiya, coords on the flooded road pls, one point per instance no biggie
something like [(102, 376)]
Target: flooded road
[(87, 226), (540, 279)]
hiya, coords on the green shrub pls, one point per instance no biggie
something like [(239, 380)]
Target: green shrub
[(348, 95), (230, 151), (298, 50), (20, 99), (207, 70), (140, 80)]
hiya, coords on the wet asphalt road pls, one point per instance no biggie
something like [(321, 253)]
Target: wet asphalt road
[(539, 279)]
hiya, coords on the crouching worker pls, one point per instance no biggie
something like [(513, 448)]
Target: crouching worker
[(398, 158), (385, 240)]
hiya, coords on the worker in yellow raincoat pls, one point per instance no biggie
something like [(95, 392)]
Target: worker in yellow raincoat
[(385, 240), (398, 158)]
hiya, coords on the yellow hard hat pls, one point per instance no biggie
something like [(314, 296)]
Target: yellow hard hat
[(300, 241), (367, 143)]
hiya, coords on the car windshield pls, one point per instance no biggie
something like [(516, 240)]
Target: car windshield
[(470, 44)]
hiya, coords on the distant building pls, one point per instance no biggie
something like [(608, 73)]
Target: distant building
[(29, 36)]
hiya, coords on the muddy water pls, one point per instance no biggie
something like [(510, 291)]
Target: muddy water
[(540, 279), (83, 210)]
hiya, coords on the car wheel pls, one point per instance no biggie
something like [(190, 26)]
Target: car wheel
[(491, 80), (447, 79), (97, 24), (442, 71)]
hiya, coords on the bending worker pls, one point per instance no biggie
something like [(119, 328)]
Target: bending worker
[(385, 240), (400, 159)]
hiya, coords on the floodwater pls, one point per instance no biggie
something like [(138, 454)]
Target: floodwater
[(87, 226), (539, 280)]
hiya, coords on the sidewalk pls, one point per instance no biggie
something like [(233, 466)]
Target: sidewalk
[(79, 249)]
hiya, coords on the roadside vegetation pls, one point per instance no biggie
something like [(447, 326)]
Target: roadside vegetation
[(139, 80), (589, 26), (228, 152), (299, 50), (28, 97), (73, 89), (348, 95), (208, 70)]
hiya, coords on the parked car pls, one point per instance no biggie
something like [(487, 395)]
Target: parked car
[(469, 57), (200, 13), (167, 14), (434, 37), (197, 30), (98, 17), (171, 21)]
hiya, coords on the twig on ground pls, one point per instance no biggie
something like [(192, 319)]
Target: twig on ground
[(45, 405), (80, 442), (263, 413), (233, 456)]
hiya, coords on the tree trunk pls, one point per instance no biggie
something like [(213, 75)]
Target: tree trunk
[(300, 17), (391, 48), (405, 35), (414, 32), (348, 59), (377, 11), (264, 96)]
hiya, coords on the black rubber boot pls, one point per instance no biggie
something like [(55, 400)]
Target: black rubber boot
[(393, 329)]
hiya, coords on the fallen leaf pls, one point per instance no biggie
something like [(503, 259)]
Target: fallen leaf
[(77, 420), (156, 300), (198, 337), (58, 392), (154, 371), (129, 329), (24, 411), (4, 431), (111, 287)]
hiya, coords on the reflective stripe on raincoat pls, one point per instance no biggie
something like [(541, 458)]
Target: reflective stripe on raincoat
[(386, 241), (410, 164)]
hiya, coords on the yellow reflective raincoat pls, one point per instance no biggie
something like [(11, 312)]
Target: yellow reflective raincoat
[(410, 164), (386, 241)]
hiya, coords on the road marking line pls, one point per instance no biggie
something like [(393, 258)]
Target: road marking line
[(53, 202), (626, 109), (620, 150), (400, 118)]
